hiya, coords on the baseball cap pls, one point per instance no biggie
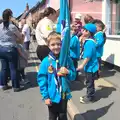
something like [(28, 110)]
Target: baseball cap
[(90, 27)]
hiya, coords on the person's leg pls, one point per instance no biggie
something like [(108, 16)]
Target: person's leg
[(62, 110), (99, 62), (4, 68), (24, 79), (90, 85), (90, 89), (13, 62), (3, 73), (53, 114), (22, 72)]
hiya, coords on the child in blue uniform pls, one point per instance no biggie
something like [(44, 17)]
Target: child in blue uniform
[(100, 38), (49, 79), (74, 47), (90, 62)]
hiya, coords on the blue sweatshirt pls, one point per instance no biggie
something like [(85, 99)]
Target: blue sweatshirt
[(90, 52), (50, 84), (100, 40), (74, 47)]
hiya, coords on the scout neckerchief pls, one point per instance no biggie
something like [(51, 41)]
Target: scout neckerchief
[(81, 53), (51, 57)]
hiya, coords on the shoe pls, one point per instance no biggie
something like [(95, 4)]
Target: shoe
[(24, 81), (18, 89), (1, 86), (86, 100), (6, 87)]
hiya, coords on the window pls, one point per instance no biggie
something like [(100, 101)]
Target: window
[(115, 18)]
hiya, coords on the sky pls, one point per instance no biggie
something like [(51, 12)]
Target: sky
[(17, 6)]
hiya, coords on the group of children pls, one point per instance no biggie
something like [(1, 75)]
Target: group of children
[(51, 87)]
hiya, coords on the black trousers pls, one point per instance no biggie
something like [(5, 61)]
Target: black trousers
[(75, 62), (100, 62), (22, 74), (58, 111), (42, 51), (90, 78)]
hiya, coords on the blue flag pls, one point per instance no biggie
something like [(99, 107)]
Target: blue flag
[(64, 20)]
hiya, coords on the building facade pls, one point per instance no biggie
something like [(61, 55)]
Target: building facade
[(106, 10), (109, 12)]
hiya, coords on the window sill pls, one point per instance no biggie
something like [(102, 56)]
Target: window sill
[(113, 36)]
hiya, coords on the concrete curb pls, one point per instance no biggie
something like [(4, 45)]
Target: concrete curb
[(73, 112)]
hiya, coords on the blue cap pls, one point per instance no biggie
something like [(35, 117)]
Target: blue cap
[(90, 27)]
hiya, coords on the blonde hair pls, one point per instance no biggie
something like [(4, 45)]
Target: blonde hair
[(53, 36)]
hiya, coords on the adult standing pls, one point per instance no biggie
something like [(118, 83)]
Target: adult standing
[(9, 34), (43, 29), (26, 33)]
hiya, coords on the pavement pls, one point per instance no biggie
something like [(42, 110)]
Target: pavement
[(106, 105), (27, 104)]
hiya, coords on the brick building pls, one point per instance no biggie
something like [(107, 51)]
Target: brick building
[(32, 15)]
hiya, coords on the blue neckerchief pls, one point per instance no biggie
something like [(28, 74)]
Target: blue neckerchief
[(57, 78)]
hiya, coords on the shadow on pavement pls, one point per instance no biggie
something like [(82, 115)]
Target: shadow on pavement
[(103, 92), (78, 84), (108, 70), (94, 114)]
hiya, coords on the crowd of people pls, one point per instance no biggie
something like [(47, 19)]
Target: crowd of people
[(86, 43), (14, 46)]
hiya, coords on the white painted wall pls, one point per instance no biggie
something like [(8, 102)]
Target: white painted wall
[(106, 15), (112, 45), (112, 50), (55, 4)]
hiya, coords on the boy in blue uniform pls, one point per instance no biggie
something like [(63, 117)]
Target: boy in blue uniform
[(90, 62), (100, 38), (49, 80), (74, 47)]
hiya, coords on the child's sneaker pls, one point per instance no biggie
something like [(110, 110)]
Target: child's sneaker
[(85, 100)]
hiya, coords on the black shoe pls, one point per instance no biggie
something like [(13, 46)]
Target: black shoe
[(6, 87), (24, 81), (86, 100), (18, 89)]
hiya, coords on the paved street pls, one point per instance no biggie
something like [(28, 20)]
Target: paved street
[(106, 105), (27, 104)]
